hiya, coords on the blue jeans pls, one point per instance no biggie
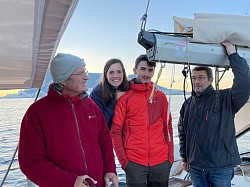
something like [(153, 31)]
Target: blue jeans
[(220, 177)]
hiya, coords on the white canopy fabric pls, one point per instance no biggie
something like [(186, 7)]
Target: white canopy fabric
[(30, 31), (183, 25), (215, 28), (242, 118)]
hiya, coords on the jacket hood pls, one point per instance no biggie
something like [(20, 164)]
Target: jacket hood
[(140, 86)]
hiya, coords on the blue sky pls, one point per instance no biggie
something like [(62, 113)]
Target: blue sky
[(104, 29)]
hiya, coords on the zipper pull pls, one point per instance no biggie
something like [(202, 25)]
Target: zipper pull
[(207, 115)]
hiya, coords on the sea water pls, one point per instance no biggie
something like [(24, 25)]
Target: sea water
[(11, 114)]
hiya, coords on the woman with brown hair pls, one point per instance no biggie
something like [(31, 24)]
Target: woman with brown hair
[(112, 86)]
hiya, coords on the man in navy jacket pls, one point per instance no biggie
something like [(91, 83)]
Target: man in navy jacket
[(206, 126)]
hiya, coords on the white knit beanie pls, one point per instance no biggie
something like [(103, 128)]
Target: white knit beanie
[(63, 65)]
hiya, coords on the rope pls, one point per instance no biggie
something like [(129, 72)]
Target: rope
[(159, 74), (217, 96), (185, 72), (169, 100), (152, 92), (171, 86)]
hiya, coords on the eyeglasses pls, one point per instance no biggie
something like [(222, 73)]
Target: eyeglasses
[(199, 78), (82, 73)]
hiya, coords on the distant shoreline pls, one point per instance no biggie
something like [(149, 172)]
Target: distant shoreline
[(93, 80), (20, 97)]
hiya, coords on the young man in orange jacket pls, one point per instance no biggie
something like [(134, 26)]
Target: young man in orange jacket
[(142, 130)]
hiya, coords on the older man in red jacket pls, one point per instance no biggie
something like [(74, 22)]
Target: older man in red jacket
[(64, 137)]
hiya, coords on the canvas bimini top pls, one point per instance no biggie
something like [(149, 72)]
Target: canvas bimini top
[(30, 33)]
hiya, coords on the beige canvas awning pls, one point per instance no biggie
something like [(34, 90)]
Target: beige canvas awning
[(183, 25), (30, 31), (242, 119), (215, 28)]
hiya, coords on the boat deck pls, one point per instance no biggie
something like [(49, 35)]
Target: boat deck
[(176, 182), (243, 170), (184, 180)]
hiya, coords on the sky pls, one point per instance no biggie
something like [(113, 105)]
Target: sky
[(100, 30), (104, 29)]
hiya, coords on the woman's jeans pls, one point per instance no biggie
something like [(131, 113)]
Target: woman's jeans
[(219, 177)]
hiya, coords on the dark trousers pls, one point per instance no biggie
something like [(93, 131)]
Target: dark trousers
[(147, 176)]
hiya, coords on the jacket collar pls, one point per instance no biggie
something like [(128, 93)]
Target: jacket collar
[(135, 85), (205, 93), (55, 91)]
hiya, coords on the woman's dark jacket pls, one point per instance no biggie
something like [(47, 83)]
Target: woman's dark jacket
[(206, 129), (106, 107)]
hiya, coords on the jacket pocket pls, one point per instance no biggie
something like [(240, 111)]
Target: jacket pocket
[(127, 135), (126, 166)]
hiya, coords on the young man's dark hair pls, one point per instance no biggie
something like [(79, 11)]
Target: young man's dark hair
[(144, 58)]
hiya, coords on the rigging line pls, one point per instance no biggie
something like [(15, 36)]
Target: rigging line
[(223, 72), (187, 70), (158, 76), (170, 96), (190, 74), (217, 78), (217, 96), (9, 167), (147, 7), (171, 85), (152, 92), (172, 76), (144, 18)]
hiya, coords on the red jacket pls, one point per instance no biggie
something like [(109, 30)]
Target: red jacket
[(62, 139), (140, 131)]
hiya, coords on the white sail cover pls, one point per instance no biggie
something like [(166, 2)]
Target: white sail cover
[(183, 25), (242, 119), (232, 28), (30, 31), (216, 28)]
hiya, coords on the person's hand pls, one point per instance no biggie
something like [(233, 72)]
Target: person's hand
[(110, 177), (185, 166), (81, 181), (119, 94), (230, 48)]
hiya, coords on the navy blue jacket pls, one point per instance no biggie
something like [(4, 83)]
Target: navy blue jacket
[(206, 129), (106, 107)]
